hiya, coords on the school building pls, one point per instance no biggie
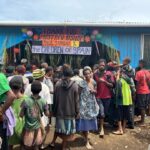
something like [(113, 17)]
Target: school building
[(76, 43)]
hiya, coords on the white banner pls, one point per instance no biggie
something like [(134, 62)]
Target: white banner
[(61, 50)]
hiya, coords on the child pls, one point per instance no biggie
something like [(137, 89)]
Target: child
[(32, 109), (16, 84), (123, 101)]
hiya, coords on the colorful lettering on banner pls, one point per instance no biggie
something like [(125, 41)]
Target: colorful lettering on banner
[(62, 37), (75, 43), (60, 43), (71, 43), (56, 43), (61, 40)]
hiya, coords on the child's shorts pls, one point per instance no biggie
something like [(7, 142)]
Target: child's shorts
[(123, 112), (29, 138), (142, 101)]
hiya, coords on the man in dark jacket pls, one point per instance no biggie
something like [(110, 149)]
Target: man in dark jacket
[(66, 107)]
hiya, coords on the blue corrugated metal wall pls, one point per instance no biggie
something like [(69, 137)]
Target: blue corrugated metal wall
[(9, 37), (127, 41)]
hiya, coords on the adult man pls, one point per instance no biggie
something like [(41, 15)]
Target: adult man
[(39, 74), (28, 72), (104, 95), (142, 89), (24, 61), (76, 76), (44, 65), (20, 70), (48, 81), (127, 68), (10, 71), (6, 99)]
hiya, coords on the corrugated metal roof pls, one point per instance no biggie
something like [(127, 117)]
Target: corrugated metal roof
[(92, 24)]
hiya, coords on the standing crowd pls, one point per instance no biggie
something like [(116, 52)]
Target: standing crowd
[(78, 101)]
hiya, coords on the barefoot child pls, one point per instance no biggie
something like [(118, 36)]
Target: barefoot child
[(32, 109), (16, 84), (123, 101)]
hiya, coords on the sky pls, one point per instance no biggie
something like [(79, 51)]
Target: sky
[(75, 10)]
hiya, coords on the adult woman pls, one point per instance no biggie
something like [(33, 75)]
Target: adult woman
[(89, 108)]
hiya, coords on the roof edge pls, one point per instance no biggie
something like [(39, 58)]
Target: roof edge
[(91, 24)]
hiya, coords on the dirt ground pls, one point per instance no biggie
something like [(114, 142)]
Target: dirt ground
[(133, 139)]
